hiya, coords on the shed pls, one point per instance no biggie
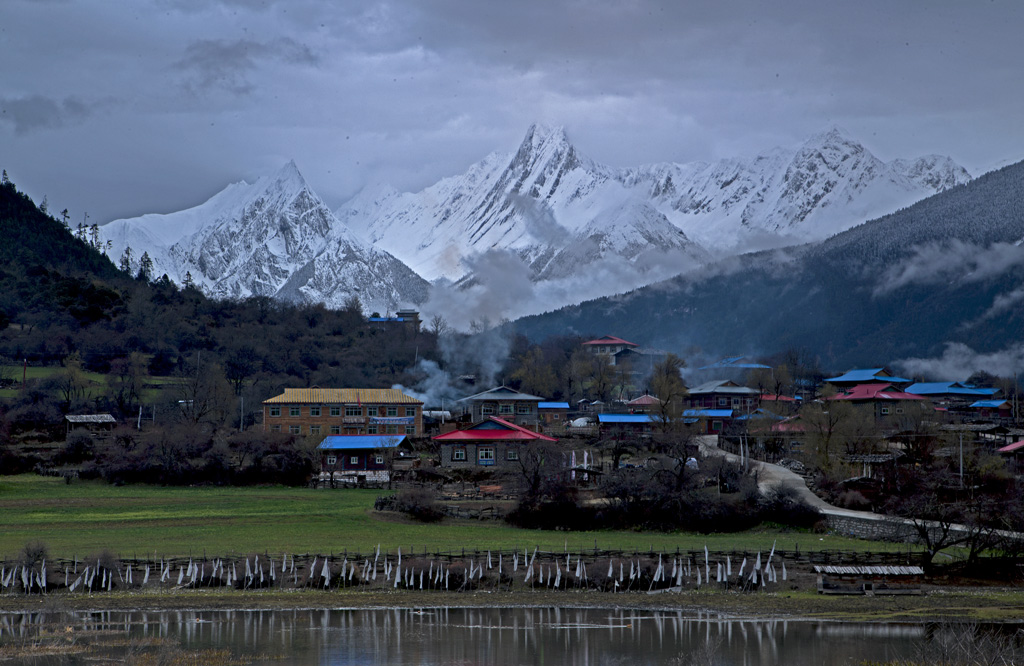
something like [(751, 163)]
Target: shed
[(869, 579), (93, 422)]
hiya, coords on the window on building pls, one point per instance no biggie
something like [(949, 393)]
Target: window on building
[(314, 411), (512, 454), (487, 409), (716, 426), (353, 410), (332, 460), (505, 409), (353, 460), (314, 430), (391, 429), (556, 416), (275, 411), (485, 455), (294, 430), (458, 454), (523, 409), (735, 403), (275, 428), (335, 410), (723, 402), (885, 410), (335, 430), (379, 459), (392, 411), (371, 429), (410, 411), (294, 411), (410, 430), (899, 410)]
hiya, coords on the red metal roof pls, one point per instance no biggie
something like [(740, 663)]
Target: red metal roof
[(875, 392), (644, 400), (778, 398), (610, 340), (1012, 447), (507, 431)]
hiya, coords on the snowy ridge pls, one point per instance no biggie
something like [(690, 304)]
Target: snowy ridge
[(273, 238), (542, 201)]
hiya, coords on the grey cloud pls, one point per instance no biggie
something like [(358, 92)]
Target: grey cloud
[(37, 112), (214, 64), (954, 260)]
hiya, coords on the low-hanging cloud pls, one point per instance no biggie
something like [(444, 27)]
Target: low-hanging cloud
[(958, 362), (935, 263)]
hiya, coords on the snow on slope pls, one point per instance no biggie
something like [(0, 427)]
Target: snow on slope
[(542, 201), (273, 238)]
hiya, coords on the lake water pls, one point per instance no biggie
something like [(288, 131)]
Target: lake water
[(446, 636)]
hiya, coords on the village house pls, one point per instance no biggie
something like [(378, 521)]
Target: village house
[(608, 346), (708, 421), (626, 425), (491, 443), (505, 403), (645, 404), (316, 411), (553, 413), (883, 400), (358, 459), (409, 319), (723, 394), (991, 409)]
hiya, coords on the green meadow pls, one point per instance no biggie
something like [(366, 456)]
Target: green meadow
[(86, 517)]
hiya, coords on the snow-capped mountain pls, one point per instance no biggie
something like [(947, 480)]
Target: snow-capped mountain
[(272, 238), (561, 211)]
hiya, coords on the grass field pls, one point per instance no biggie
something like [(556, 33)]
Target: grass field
[(95, 382), (86, 517)]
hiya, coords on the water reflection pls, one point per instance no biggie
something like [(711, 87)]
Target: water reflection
[(458, 636)]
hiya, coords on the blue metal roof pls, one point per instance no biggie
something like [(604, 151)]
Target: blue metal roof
[(625, 418), (948, 388), (553, 405), (709, 413), (992, 404), (353, 442), (865, 376)]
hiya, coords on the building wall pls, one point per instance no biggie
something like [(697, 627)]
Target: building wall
[(524, 412), (341, 424), (472, 455)]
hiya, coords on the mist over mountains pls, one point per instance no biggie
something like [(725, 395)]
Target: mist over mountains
[(946, 273)]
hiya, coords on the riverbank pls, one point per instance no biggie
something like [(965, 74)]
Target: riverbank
[(967, 604)]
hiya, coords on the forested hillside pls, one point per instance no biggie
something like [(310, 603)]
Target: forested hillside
[(948, 269), (98, 340)]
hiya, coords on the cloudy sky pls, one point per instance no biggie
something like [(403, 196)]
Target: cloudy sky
[(117, 108)]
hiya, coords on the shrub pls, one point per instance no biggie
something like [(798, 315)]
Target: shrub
[(420, 503)]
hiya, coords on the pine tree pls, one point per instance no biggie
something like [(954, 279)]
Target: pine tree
[(64, 217), (44, 207), (126, 261), (188, 283), (5, 180), (145, 268)]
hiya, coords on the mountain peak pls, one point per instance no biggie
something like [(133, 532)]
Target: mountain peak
[(833, 136), (289, 177)]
